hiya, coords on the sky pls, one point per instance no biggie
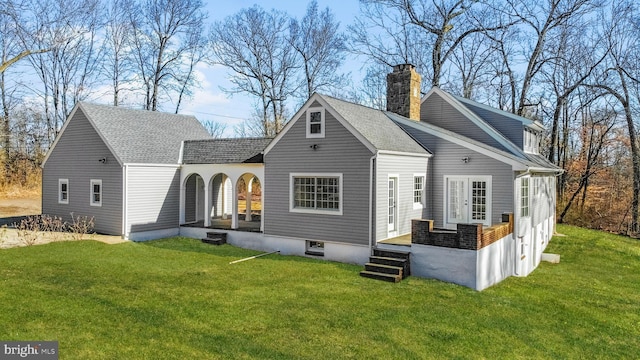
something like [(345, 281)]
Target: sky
[(209, 102)]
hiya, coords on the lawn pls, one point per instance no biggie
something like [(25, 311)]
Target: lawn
[(180, 299)]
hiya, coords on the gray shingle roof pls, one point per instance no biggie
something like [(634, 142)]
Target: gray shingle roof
[(224, 151), (145, 137), (375, 126), (528, 160)]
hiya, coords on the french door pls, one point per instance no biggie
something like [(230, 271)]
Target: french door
[(468, 200), (393, 206)]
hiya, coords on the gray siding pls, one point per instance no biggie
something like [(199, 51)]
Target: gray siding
[(338, 152), (75, 157), (153, 198), (435, 110), (510, 128), (447, 162), (405, 167)]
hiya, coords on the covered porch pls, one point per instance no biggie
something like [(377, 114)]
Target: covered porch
[(222, 196)]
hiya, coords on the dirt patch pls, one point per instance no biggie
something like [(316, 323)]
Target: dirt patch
[(20, 207), (10, 238)]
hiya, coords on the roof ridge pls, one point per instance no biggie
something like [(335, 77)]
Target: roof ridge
[(127, 108)]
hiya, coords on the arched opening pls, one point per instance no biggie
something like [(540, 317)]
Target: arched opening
[(249, 193), (221, 197), (194, 199)]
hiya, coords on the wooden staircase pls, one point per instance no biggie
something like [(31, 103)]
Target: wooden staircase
[(215, 238), (388, 265)]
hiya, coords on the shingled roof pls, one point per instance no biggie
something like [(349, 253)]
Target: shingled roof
[(224, 151), (375, 126), (140, 136)]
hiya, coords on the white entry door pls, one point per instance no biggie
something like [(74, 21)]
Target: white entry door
[(393, 206), (468, 200)]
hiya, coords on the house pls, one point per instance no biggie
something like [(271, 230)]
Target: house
[(456, 188), (119, 166)]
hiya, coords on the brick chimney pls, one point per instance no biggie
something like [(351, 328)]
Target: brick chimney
[(403, 91)]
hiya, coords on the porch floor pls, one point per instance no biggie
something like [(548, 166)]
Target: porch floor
[(404, 240), (219, 223)]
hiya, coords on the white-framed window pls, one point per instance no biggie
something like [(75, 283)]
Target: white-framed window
[(96, 192), (531, 141), (315, 122), (316, 193), (524, 197), (418, 190), (314, 248), (63, 191)]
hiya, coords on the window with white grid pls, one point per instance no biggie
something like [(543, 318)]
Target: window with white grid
[(418, 190), (316, 193)]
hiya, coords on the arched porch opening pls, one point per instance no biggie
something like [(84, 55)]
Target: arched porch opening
[(194, 198), (221, 197), (249, 196)]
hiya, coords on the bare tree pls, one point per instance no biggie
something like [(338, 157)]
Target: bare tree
[(164, 31), (576, 58), (540, 20), (254, 44), (595, 132), (118, 63), (321, 47), (68, 71), (373, 91), (215, 129), (445, 24), (186, 80), (620, 73)]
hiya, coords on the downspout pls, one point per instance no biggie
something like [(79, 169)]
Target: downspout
[(372, 183)]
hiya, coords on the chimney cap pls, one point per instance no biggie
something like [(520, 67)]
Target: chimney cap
[(403, 67)]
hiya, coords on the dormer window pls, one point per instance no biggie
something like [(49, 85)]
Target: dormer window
[(315, 123), (531, 141)]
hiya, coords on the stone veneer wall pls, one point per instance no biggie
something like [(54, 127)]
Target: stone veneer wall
[(467, 236), (403, 91)]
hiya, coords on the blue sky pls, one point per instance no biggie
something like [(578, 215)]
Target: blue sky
[(209, 102)]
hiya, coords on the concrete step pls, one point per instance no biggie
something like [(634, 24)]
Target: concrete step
[(381, 268), (381, 276)]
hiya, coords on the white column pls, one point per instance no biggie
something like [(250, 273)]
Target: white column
[(261, 205), (248, 180), (234, 206), (207, 204), (182, 197), (223, 203)]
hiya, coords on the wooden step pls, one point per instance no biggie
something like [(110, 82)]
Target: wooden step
[(391, 253), (387, 261), (216, 235), (217, 241), (380, 276), (381, 268)]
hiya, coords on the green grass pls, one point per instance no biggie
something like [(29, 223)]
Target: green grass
[(180, 299)]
